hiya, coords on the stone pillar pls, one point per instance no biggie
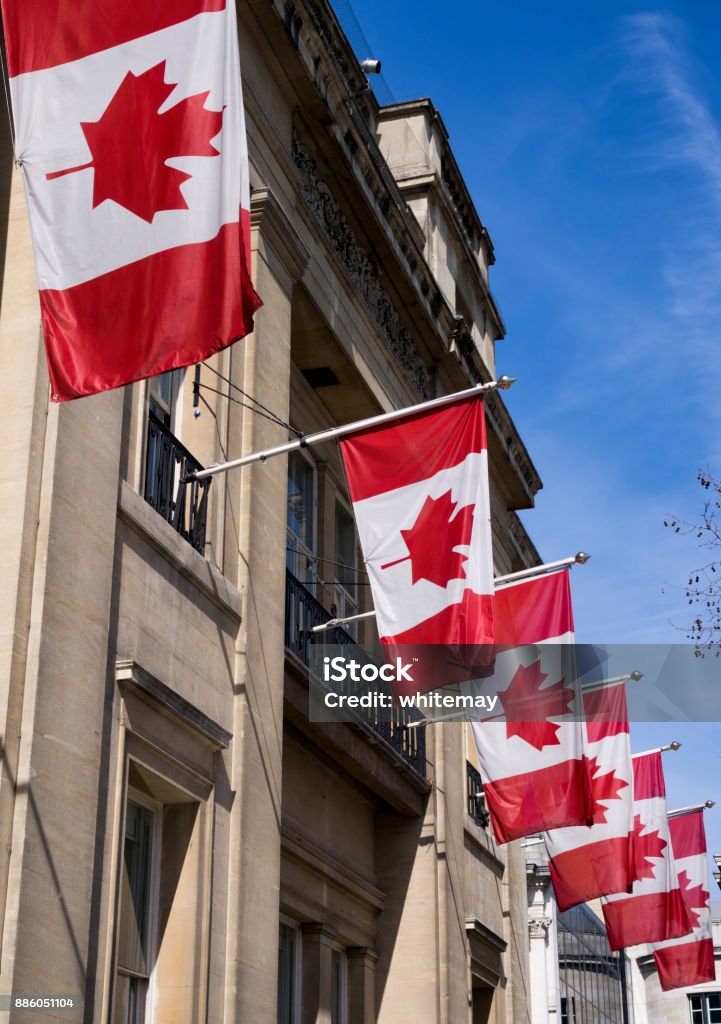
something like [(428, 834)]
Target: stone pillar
[(317, 969), (361, 985), (255, 559)]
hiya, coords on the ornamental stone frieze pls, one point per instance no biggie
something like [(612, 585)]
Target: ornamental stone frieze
[(538, 927), (361, 269)]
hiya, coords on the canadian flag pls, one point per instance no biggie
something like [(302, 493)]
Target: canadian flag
[(130, 134), (689, 960), (419, 489), (534, 773), (591, 861), (655, 910)]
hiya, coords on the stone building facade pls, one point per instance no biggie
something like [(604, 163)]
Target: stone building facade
[(696, 1004), (178, 842), (575, 978)]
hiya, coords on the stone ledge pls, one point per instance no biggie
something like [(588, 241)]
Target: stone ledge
[(482, 841), (146, 522)]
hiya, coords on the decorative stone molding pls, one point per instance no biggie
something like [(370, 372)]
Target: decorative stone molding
[(361, 269), (268, 216), (538, 927)]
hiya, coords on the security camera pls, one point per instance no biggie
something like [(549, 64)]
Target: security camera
[(371, 67)]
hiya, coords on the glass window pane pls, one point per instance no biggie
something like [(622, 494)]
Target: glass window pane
[(345, 549), (338, 988), (300, 498), (287, 980), (713, 1003), (129, 1004), (135, 895)]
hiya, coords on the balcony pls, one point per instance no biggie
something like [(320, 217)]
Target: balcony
[(476, 805), (183, 505), (302, 612)]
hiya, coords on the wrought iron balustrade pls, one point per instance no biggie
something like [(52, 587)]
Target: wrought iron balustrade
[(183, 505), (302, 612), (476, 800)]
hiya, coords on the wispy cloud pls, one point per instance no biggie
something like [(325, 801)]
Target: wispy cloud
[(684, 135), (690, 135)]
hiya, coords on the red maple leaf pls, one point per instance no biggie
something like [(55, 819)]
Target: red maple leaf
[(132, 142), (645, 848), (605, 787), (695, 898), (527, 706), (440, 528)]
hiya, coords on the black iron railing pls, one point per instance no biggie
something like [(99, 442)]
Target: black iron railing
[(476, 799), (183, 505), (302, 612)]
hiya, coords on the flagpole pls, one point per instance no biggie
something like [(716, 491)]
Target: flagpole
[(674, 745), (706, 806), (460, 716), (503, 383), (602, 684), (537, 570)]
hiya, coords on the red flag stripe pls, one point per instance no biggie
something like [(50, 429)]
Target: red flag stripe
[(688, 835), (606, 712), (589, 871), (689, 963), (149, 316), (469, 621), (648, 781), (55, 32), (534, 610), (653, 917), (390, 456), (537, 801)]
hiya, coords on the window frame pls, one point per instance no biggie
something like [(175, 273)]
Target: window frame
[(347, 603), (296, 967), (342, 988), (133, 795), (298, 547), (704, 1007)]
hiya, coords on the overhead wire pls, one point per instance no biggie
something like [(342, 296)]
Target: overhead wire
[(262, 410)]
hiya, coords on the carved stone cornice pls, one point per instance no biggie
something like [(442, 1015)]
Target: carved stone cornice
[(267, 214), (361, 270), (538, 927)]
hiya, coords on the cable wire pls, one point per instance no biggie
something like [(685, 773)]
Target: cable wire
[(271, 416), (264, 410)]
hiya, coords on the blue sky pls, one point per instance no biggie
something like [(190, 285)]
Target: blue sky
[(589, 136)]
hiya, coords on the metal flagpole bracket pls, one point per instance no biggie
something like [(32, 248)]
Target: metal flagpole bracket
[(537, 570), (580, 558), (705, 806), (503, 384), (603, 684)]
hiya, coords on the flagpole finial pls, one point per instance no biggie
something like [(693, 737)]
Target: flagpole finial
[(636, 675), (675, 745), (709, 804), (582, 557), (505, 383)]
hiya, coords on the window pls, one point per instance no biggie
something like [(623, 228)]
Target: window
[(161, 900), (301, 517), (288, 974), (338, 988), (568, 1010), (165, 390), (137, 920), (705, 1008), (345, 572), (168, 462)]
